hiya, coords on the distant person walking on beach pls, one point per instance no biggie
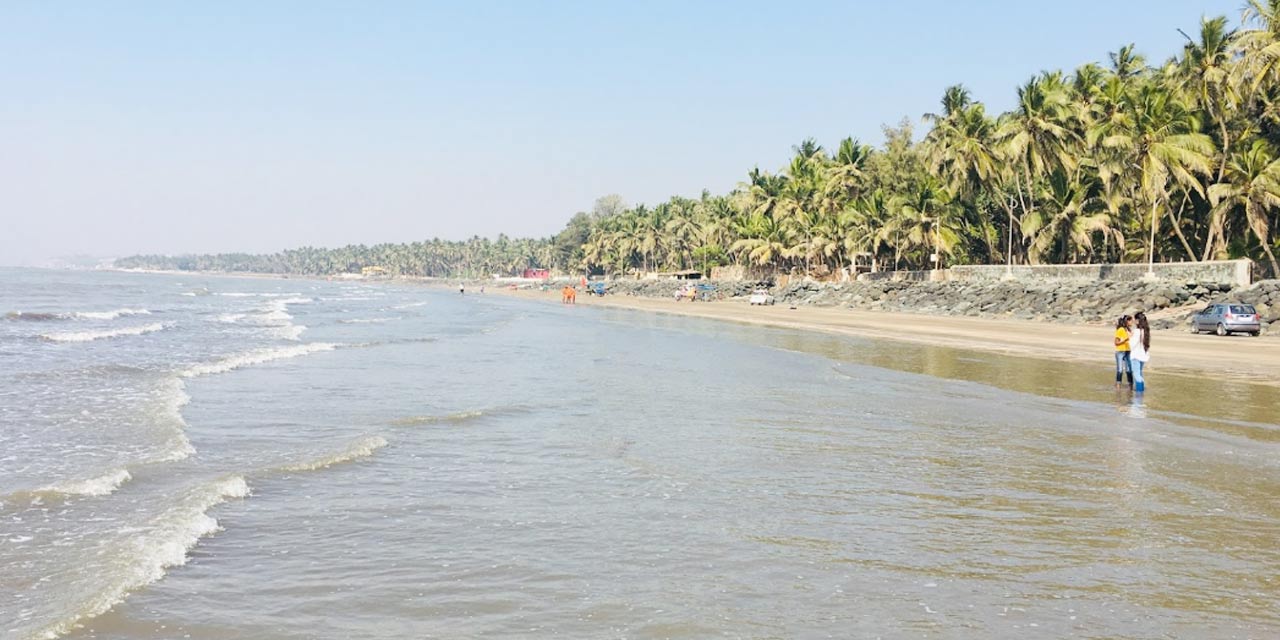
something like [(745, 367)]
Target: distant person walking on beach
[(1139, 350), (462, 289), (1122, 351)]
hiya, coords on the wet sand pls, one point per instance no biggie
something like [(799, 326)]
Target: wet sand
[(1236, 358)]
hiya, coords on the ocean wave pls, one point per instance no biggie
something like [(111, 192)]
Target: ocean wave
[(34, 316), (110, 315), (369, 320), (172, 398), (410, 305), (275, 316), (45, 316), (231, 318), (162, 543), (102, 485), (89, 336), (460, 417), (362, 448), (289, 331), (257, 356)]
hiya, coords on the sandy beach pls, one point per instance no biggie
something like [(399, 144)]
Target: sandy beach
[(1238, 358)]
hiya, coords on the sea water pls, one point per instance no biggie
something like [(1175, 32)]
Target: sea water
[(190, 456)]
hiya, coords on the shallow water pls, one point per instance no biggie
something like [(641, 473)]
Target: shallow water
[(421, 464)]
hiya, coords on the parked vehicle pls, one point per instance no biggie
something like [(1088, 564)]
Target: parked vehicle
[(761, 297), (596, 289), (1227, 318)]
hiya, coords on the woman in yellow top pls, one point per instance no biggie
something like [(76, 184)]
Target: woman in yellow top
[(1122, 351)]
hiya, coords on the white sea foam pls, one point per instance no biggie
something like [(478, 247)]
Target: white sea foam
[(409, 305), (276, 316), (172, 398), (162, 543), (362, 448), (289, 331), (110, 315), (452, 418), (368, 320), (88, 336), (102, 485), (231, 318), (257, 356)]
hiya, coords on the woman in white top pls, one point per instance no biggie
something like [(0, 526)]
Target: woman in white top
[(1139, 349)]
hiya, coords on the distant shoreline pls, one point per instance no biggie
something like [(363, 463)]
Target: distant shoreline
[(1238, 358)]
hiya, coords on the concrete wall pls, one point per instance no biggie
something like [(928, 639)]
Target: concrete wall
[(1236, 272)]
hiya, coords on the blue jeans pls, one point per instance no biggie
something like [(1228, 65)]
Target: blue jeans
[(1122, 366), (1135, 366)]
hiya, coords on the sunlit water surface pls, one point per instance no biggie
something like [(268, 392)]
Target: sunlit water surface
[(204, 457)]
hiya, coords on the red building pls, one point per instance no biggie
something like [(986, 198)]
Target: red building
[(541, 274)]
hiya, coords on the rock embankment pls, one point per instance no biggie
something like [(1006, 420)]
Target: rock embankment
[(1168, 304)]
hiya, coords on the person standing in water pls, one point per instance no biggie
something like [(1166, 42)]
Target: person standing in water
[(1139, 350), (1122, 351), (462, 289)]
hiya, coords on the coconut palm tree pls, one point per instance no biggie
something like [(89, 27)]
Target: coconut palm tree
[(1162, 147), (1252, 186)]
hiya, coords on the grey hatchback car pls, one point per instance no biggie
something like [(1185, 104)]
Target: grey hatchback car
[(1225, 319)]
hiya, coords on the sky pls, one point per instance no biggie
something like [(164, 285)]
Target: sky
[(179, 127)]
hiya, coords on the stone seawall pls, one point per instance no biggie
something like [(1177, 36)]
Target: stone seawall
[(1169, 304), (1234, 272)]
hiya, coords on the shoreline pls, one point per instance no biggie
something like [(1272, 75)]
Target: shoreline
[(1234, 358)]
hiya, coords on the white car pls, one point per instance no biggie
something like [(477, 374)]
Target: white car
[(760, 297)]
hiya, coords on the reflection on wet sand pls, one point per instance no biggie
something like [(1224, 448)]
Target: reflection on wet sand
[(1232, 407)]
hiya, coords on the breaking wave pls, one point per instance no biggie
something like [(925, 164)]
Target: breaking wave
[(362, 448), (34, 316), (102, 485), (110, 315), (257, 356), (289, 331), (89, 336), (45, 316), (368, 320), (162, 543), (461, 417), (410, 305)]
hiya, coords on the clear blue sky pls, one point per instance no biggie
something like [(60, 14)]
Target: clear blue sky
[(180, 126)]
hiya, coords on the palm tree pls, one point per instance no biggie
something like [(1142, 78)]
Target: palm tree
[(763, 240), (1162, 146), (923, 219), (1205, 71), (1253, 185), (1037, 137), (1260, 47)]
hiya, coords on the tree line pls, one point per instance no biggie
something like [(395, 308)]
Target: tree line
[(1119, 162)]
